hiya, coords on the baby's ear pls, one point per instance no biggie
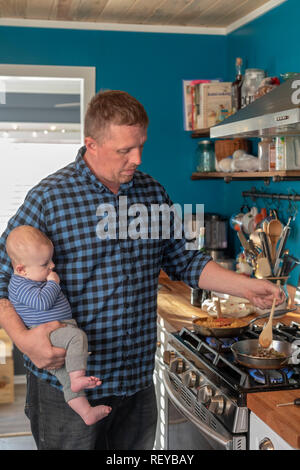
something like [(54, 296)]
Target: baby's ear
[(20, 269)]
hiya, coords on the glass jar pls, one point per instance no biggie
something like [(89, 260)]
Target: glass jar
[(205, 156), (264, 153), (252, 80)]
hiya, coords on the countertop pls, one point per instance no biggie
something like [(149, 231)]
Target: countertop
[(176, 311)]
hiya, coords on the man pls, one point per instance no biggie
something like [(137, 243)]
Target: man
[(110, 282)]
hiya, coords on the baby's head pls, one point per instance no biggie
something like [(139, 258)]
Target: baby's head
[(30, 252)]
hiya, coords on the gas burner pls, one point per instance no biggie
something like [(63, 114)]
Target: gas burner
[(271, 376), (220, 344)]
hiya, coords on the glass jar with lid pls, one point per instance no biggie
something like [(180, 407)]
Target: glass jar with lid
[(205, 156), (252, 80)]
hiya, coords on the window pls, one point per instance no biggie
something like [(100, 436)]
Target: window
[(41, 126)]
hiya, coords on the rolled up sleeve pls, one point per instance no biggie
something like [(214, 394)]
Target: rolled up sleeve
[(180, 263)]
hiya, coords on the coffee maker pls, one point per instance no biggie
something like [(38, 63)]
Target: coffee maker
[(216, 245), (216, 235)]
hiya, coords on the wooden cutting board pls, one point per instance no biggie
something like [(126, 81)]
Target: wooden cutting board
[(284, 420)]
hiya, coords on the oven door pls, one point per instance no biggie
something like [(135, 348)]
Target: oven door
[(185, 431)]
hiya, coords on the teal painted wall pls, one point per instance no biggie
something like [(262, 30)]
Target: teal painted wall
[(270, 42), (150, 66)]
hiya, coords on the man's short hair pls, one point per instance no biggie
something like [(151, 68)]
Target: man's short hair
[(113, 107)]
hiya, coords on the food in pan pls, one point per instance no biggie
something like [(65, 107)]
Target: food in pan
[(267, 353), (222, 322)]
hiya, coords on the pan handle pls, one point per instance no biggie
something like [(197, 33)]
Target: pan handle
[(278, 313)]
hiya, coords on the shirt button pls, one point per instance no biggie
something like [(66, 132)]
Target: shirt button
[(126, 305)]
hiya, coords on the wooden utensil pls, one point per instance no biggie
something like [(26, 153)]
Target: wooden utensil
[(218, 306), (274, 231), (266, 337), (266, 249)]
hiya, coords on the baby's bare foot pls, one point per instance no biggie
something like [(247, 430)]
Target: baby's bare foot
[(95, 414), (80, 383)]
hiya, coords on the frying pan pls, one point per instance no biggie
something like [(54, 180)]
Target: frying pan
[(245, 352), (234, 331)]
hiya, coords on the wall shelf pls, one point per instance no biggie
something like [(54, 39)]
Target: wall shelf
[(199, 133), (267, 176)]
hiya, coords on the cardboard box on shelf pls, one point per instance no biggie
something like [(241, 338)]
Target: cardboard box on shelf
[(215, 103), (6, 369), (192, 103)]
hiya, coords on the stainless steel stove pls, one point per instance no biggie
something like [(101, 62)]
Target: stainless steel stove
[(207, 390)]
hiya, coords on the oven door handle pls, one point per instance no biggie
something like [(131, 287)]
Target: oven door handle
[(209, 432)]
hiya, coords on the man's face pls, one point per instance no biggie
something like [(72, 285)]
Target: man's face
[(115, 158)]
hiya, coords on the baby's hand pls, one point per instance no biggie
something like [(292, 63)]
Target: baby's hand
[(53, 276)]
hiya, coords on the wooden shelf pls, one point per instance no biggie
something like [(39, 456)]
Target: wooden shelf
[(276, 176)]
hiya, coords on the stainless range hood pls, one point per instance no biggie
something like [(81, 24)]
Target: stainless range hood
[(276, 113)]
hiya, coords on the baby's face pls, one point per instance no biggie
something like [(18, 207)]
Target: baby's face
[(40, 263)]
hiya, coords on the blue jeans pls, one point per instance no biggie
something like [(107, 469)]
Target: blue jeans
[(131, 425)]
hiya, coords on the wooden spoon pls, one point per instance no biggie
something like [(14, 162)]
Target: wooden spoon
[(218, 305), (274, 231), (266, 337)]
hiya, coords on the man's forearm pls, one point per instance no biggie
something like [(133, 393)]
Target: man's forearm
[(260, 292), (12, 323), (215, 277), (33, 342)]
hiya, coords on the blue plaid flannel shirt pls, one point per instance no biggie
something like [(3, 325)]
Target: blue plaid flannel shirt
[(110, 284)]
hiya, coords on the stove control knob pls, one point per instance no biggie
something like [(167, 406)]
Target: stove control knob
[(266, 444), (180, 366), (205, 394), (177, 366), (168, 357), (190, 379), (217, 404)]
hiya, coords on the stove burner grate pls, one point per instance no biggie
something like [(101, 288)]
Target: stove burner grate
[(266, 377), (220, 344), (216, 358)]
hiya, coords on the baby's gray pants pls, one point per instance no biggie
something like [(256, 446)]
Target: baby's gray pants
[(75, 342)]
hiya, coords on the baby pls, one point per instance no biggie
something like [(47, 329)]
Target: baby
[(36, 296)]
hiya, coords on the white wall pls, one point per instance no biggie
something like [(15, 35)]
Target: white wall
[(23, 166)]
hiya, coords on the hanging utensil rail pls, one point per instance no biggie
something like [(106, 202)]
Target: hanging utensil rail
[(257, 194)]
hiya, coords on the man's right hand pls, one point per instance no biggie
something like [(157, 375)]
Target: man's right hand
[(37, 346)]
